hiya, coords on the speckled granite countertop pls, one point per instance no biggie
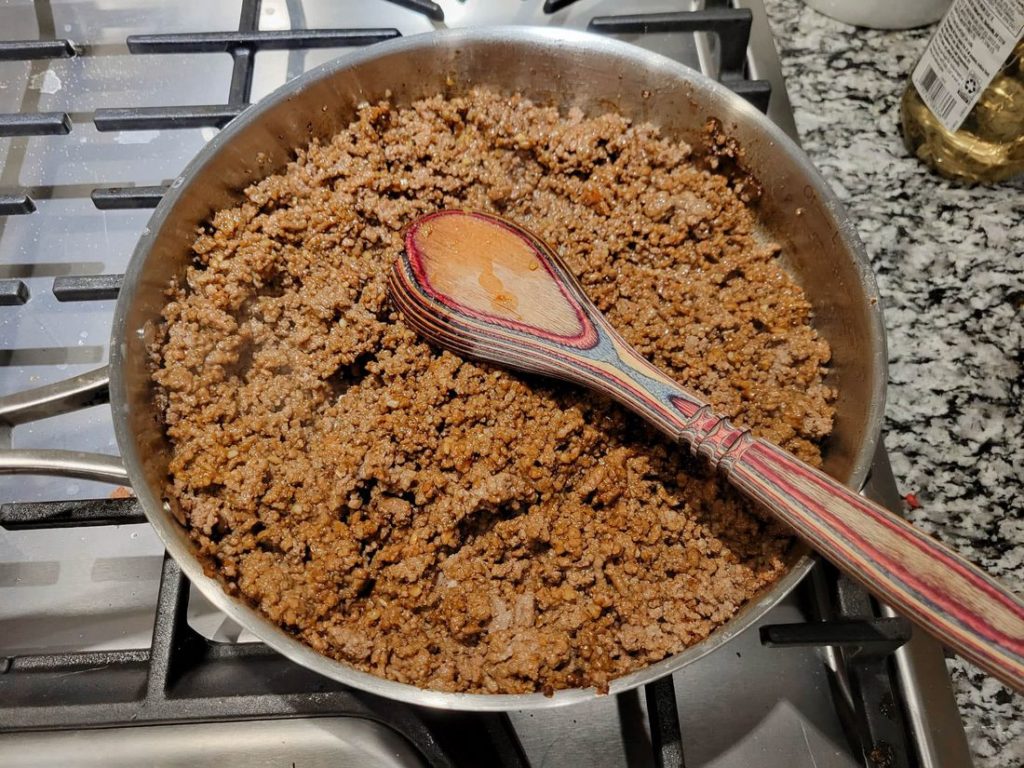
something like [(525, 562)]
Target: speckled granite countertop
[(950, 266)]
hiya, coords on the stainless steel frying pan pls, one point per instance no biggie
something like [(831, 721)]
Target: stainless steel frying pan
[(559, 67)]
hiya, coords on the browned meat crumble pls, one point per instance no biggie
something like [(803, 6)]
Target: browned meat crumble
[(448, 524)]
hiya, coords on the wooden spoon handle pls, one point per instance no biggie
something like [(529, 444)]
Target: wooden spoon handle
[(918, 576)]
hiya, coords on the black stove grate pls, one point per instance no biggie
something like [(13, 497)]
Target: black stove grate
[(730, 25), (28, 124), (123, 198), (28, 516), (27, 50), (12, 292), (185, 677), (428, 8), (16, 205), (862, 685), (35, 124)]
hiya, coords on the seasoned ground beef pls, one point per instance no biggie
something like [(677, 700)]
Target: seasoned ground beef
[(450, 524)]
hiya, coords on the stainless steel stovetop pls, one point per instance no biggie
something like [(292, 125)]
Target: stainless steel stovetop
[(88, 589)]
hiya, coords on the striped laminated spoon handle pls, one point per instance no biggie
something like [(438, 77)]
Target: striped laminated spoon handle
[(485, 288)]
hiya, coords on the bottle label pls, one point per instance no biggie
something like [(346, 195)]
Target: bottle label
[(972, 42)]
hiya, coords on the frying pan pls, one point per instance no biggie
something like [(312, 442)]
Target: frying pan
[(559, 67)]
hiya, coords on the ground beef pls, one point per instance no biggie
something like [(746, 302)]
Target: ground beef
[(450, 524)]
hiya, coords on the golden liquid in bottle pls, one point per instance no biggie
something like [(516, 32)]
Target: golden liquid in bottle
[(989, 146)]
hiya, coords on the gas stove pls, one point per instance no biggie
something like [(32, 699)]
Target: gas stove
[(107, 656)]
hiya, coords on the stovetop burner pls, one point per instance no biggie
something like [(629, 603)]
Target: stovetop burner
[(100, 107)]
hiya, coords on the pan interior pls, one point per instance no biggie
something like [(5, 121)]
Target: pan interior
[(550, 67)]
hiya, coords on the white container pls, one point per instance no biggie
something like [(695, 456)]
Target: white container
[(883, 14)]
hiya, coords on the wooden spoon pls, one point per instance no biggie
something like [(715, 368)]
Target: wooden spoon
[(486, 288)]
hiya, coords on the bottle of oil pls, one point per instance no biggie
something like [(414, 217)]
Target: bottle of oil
[(963, 109)]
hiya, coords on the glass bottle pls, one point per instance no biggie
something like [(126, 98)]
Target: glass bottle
[(986, 143)]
